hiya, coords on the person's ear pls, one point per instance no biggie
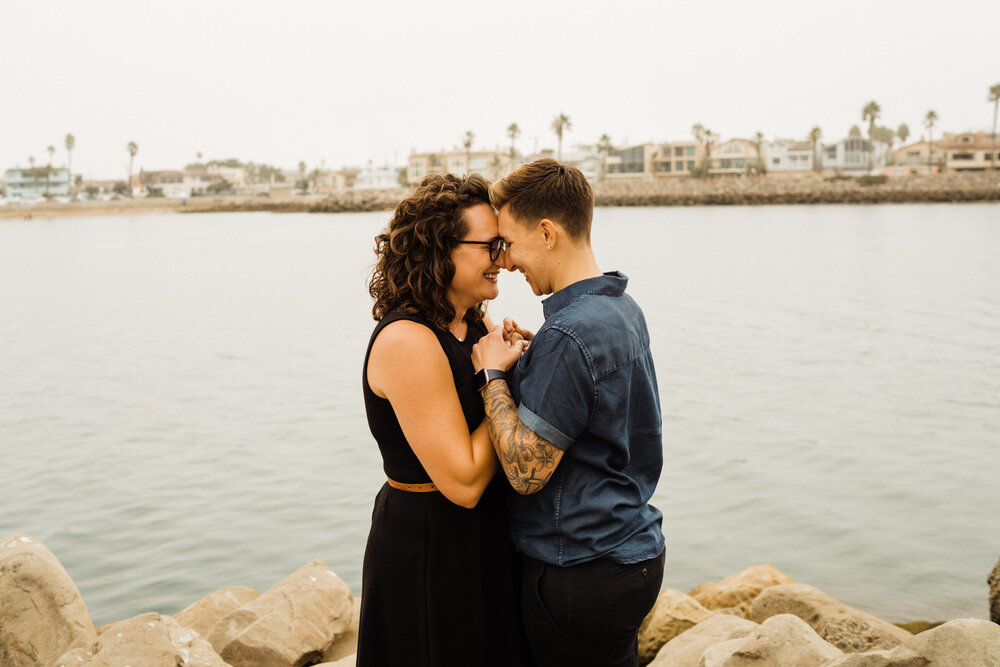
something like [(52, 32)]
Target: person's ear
[(550, 232)]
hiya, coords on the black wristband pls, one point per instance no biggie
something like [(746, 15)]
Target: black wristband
[(487, 375)]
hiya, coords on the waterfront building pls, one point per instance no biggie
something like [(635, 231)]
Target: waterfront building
[(235, 176), (377, 178), (37, 182), (788, 156), (969, 151), (734, 157), (176, 184), (631, 162), (491, 164), (677, 158), (912, 159), (329, 181), (849, 157)]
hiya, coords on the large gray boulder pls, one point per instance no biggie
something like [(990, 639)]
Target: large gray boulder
[(994, 581), (735, 593), (672, 613), (849, 629), (290, 625), (42, 614), (149, 640), (784, 640), (966, 642), (685, 649), (202, 614)]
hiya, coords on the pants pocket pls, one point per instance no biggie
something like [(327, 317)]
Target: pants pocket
[(545, 606)]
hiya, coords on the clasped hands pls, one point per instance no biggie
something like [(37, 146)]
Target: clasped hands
[(502, 347)]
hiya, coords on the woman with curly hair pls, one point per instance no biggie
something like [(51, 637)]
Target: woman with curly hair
[(438, 585)]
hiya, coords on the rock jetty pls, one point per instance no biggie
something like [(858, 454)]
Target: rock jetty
[(758, 617), (308, 618), (721, 191)]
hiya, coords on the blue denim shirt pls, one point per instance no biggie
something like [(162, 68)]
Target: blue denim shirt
[(587, 385)]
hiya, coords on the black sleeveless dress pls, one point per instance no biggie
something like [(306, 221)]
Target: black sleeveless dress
[(440, 582)]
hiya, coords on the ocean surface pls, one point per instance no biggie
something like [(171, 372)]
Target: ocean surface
[(180, 401)]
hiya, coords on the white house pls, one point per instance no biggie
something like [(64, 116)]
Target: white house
[(789, 156), (850, 157), (377, 178), (37, 182)]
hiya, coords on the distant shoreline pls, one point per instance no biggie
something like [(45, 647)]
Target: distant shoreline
[(722, 191)]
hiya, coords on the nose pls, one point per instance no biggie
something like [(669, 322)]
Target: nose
[(504, 261)]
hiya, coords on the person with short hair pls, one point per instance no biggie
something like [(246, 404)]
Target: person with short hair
[(438, 582), (574, 414)]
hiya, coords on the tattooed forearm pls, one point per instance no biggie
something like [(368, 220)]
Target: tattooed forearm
[(527, 459)]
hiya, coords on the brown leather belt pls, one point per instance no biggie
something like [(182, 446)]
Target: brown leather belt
[(426, 487)]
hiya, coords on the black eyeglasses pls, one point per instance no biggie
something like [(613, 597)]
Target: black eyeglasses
[(496, 246)]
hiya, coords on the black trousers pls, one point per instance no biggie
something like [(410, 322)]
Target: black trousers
[(587, 614)]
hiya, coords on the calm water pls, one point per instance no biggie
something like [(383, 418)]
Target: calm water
[(180, 404)]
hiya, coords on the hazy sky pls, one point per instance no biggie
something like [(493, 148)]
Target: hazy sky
[(347, 82)]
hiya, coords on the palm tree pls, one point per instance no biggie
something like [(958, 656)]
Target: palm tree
[(995, 98), (34, 174), (871, 112), (814, 136), (48, 170), (513, 131), (198, 155), (704, 135), (467, 145), (929, 121), (133, 148), (604, 146), (903, 131), (560, 124), (70, 144), (698, 131), (760, 154)]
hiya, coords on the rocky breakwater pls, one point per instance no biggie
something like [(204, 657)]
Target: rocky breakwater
[(761, 618), (719, 191), (308, 618), (810, 189), (758, 617), (347, 201)]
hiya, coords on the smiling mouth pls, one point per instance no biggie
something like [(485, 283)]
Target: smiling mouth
[(491, 276)]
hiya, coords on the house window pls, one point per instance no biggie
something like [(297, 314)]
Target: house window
[(678, 151), (775, 160), (679, 166), (961, 156), (690, 165), (690, 151)]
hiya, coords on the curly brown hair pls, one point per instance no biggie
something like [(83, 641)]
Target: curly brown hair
[(413, 269)]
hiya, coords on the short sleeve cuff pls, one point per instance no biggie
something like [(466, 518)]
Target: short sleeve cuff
[(544, 429)]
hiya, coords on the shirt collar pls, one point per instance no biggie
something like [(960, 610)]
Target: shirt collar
[(612, 283)]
